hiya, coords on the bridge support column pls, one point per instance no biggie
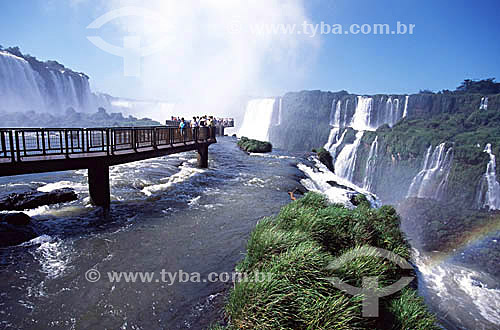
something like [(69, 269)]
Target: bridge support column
[(203, 156), (99, 185)]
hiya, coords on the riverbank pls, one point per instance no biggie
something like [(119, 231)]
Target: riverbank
[(294, 250)]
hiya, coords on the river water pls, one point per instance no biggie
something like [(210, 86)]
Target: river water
[(166, 215)]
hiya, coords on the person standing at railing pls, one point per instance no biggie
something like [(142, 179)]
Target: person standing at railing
[(194, 126), (183, 127)]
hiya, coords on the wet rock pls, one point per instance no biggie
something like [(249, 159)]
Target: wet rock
[(16, 219), (15, 229), (34, 199)]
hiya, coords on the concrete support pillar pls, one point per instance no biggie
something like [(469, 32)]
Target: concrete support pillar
[(203, 156), (99, 185)]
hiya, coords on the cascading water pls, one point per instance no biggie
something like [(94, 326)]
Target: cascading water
[(345, 164), (22, 88), (257, 120), (431, 181), (489, 189), (405, 111), (17, 75), (484, 104), (280, 111), (371, 163), (361, 119)]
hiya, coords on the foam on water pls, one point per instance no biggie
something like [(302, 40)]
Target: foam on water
[(186, 172), (319, 179)]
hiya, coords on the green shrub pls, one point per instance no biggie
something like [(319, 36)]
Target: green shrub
[(296, 248), (250, 145)]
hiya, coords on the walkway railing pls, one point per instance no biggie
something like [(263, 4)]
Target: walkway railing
[(20, 144)]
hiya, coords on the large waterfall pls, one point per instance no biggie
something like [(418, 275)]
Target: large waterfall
[(258, 118), (371, 163), (54, 89), (489, 188), (431, 181), (345, 164), (361, 119), (21, 88)]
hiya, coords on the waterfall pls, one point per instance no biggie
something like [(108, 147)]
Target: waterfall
[(371, 163), (484, 104), (257, 120), (345, 164), (21, 88), (431, 181), (280, 111), (405, 112), (489, 188), (46, 89), (361, 119), (335, 139)]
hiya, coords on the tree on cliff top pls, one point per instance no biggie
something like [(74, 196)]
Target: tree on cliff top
[(486, 86)]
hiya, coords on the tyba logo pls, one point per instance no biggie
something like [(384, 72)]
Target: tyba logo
[(131, 52), (370, 290)]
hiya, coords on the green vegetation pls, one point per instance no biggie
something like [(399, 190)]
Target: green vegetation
[(403, 147), (250, 145), (296, 247)]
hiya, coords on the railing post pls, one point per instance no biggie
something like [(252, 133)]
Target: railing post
[(155, 138), (11, 145), (66, 142), (61, 142), (108, 141), (18, 149), (134, 139), (24, 143), (44, 152), (4, 146)]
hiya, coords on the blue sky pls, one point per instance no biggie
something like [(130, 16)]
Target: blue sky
[(453, 40)]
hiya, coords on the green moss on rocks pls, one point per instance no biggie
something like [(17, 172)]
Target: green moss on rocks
[(250, 145)]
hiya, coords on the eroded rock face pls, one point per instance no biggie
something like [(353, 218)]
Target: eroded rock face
[(34, 199)]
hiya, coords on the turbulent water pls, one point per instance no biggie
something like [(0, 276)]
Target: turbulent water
[(166, 214)]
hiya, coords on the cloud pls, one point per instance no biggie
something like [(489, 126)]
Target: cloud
[(211, 56)]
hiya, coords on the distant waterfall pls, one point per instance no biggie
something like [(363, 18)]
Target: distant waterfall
[(371, 163), (257, 120), (484, 104), (431, 181), (43, 90), (345, 164), (20, 86), (405, 111), (489, 188)]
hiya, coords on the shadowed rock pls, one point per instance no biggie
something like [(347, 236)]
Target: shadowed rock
[(34, 199)]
